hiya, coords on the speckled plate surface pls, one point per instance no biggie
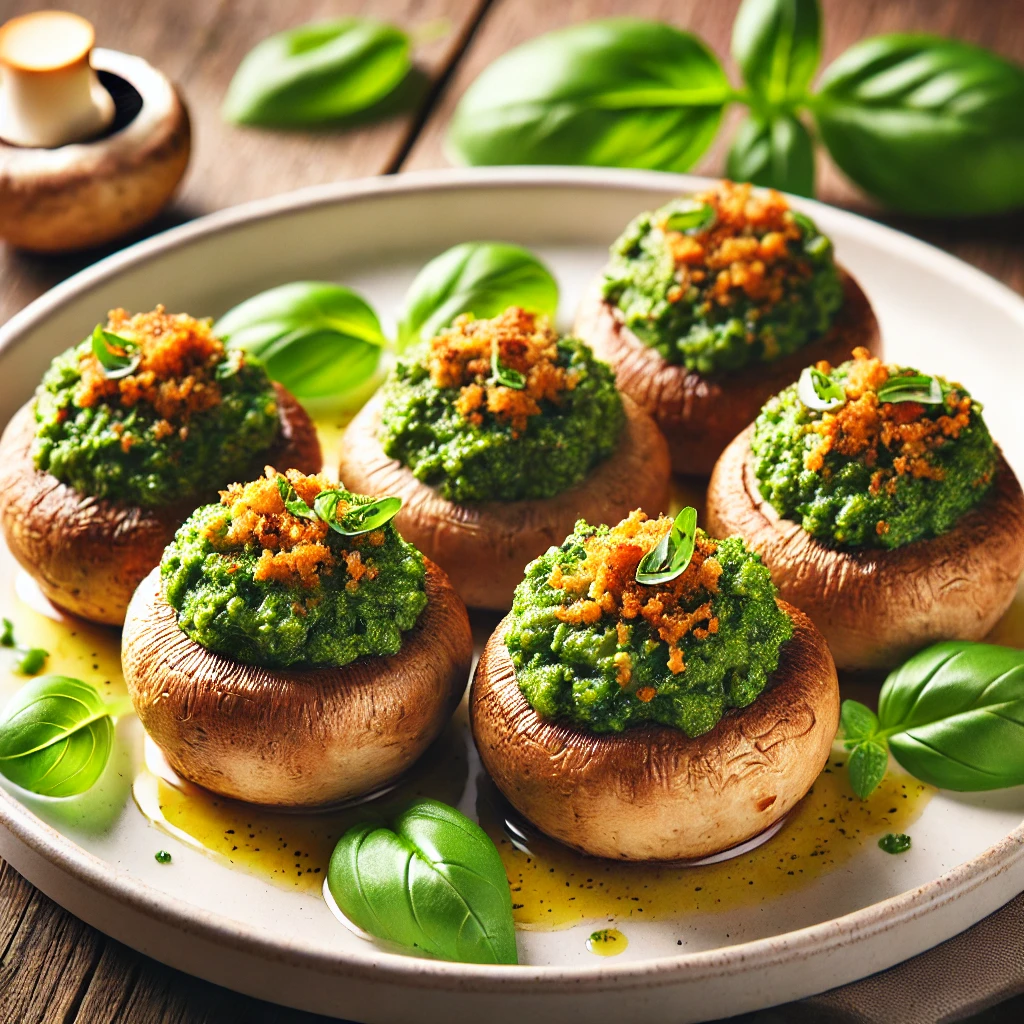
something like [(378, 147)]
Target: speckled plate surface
[(817, 905)]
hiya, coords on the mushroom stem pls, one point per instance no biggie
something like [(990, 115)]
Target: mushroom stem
[(50, 95)]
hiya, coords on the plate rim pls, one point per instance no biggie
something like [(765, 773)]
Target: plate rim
[(121, 887)]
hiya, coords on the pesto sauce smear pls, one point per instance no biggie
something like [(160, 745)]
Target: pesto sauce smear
[(450, 419), (595, 649), (181, 423), (745, 281), (871, 473), (256, 583)]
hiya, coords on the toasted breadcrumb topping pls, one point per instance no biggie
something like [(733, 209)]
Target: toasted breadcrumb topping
[(460, 357), (294, 549), (176, 370), (744, 250), (864, 427), (604, 583)]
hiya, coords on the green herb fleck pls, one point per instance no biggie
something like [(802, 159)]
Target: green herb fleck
[(894, 842), (117, 356), (668, 559), (504, 374), (7, 636), (31, 661), (162, 857)]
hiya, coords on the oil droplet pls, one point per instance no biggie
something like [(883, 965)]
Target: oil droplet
[(607, 942), (898, 842)]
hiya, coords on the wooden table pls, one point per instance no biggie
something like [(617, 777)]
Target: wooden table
[(52, 966)]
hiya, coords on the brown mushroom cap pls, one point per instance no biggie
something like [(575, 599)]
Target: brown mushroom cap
[(89, 554), (699, 415), (651, 792), (484, 546), (294, 737), (877, 607), (87, 193)]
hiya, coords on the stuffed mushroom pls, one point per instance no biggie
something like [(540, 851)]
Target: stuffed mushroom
[(126, 434), (292, 648), (882, 506), (660, 720), (711, 304), (498, 435)]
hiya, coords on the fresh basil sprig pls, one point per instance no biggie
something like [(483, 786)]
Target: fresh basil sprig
[(357, 518), (118, 357), (317, 72), (819, 391), (482, 278), (320, 340), (56, 736), (952, 716), (925, 124), (669, 558), (432, 881), (916, 387)]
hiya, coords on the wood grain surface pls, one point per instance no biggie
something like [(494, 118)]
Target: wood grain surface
[(54, 968)]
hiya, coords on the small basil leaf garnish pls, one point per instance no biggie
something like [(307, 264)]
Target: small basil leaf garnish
[(358, 518), (118, 357), (916, 387), (818, 391), (669, 558), (505, 374), (56, 736), (482, 278), (292, 502), (317, 72), (868, 763), (857, 721), (689, 215), (432, 880), (7, 634)]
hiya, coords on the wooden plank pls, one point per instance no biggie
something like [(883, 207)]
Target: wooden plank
[(990, 243), (199, 44)]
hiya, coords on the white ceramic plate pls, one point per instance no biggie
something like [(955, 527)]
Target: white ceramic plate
[(724, 951)]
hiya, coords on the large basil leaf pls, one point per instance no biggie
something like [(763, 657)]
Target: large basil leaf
[(432, 881), (317, 72), (482, 278), (619, 92), (928, 125), (777, 153), (318, 339), (954, 715), (777, 45), (56, 735)]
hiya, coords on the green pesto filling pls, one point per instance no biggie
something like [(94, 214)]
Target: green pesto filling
[(836, 505), (569, 673), (224, 608), (86, 448), (699, 333), (421, 427)]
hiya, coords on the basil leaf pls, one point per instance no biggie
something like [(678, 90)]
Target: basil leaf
[(504, 374), (867, 766), (7, 634), (620, 92), (318, 339), (295, 504), (317, 72), (118, 357), (818, 391), (672, 554), (689, 215), (56, 735), (482, 278), (358, 518), (928, 125), (912, 388), (776, 153), (954, 715), (432, 881), (857, 721), (777, 46)]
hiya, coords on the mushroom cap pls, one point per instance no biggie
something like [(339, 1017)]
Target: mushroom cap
[(652, 792), (87, 193), (876, 607), (698, 414), (297, 737), (89, 554), (484, 546)]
